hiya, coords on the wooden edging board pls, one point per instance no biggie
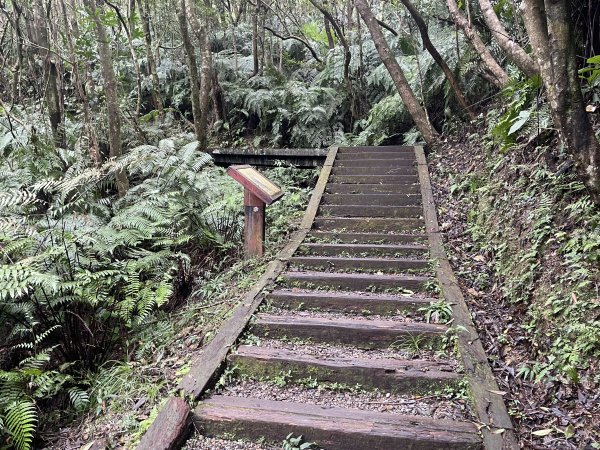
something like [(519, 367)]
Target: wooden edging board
[(208, 362), (497, 429)]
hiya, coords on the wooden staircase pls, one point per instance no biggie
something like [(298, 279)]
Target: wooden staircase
[(367, 254), (346, 307)]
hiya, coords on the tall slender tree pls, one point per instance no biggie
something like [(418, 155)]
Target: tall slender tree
[(498, 75), (54, 101), (513, 50), (413, 106), (95, 9), (190, 52)]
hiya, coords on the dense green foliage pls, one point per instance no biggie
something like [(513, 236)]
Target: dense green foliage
[(84, 268)]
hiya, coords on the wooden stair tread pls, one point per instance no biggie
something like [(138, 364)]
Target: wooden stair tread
[(359, 332), (372, 188), (388, 364), (380, 161), (374, 278), (347, 302), (342, 247), (376, 224), (393, 375), (332, 427), (387, 211), (365, 263), (389, 199), (367, 238)]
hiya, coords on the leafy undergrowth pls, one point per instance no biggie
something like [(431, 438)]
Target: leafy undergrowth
[(524, 240), (127, 395), (104, 300)]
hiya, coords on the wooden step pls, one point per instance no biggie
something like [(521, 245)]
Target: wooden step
[(372, 199), (356, 264), (394, 250), (366, 238), (371, 211), (374, 179), (332, 428), (354, 281), (347, 161), (369, 150), (375, 188), (391, 169), (361, 333), (368, 224), (347, 302), (393, 375)]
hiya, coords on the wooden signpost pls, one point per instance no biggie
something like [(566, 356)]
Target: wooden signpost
[(259, 191)]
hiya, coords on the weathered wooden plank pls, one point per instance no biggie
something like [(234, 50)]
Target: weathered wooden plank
[(394, 149), (331, 427), (354, 281), (210, 359), (371, 211), (368, 224), (349, 263), (367, 169), (365, 238), (170, 429), (362, 333), (489, 405), (400, 157), (375, 179), (396, 250), (349, 161), (392, 375), (373, 199), (347, 302), (338, 188)]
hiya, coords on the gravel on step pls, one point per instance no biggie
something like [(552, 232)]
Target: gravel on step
[(406, 293), (313, 313), (430, 406), (199, 442), (324, 351)]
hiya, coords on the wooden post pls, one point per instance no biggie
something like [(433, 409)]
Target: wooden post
[(259, 191), (254, 225)]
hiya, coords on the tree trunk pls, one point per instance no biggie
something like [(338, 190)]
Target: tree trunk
[(16, 81), (513, 50), (53, 96), (193, 68), (347, 57), (110, 90), (416, 111), (499, 76), (458, 94), (207, 75), (94, 149), (330, 40), (150, 61), (551, 34), (255, 39)]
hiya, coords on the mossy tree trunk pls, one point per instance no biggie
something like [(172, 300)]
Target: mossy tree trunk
[(549, 27)]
